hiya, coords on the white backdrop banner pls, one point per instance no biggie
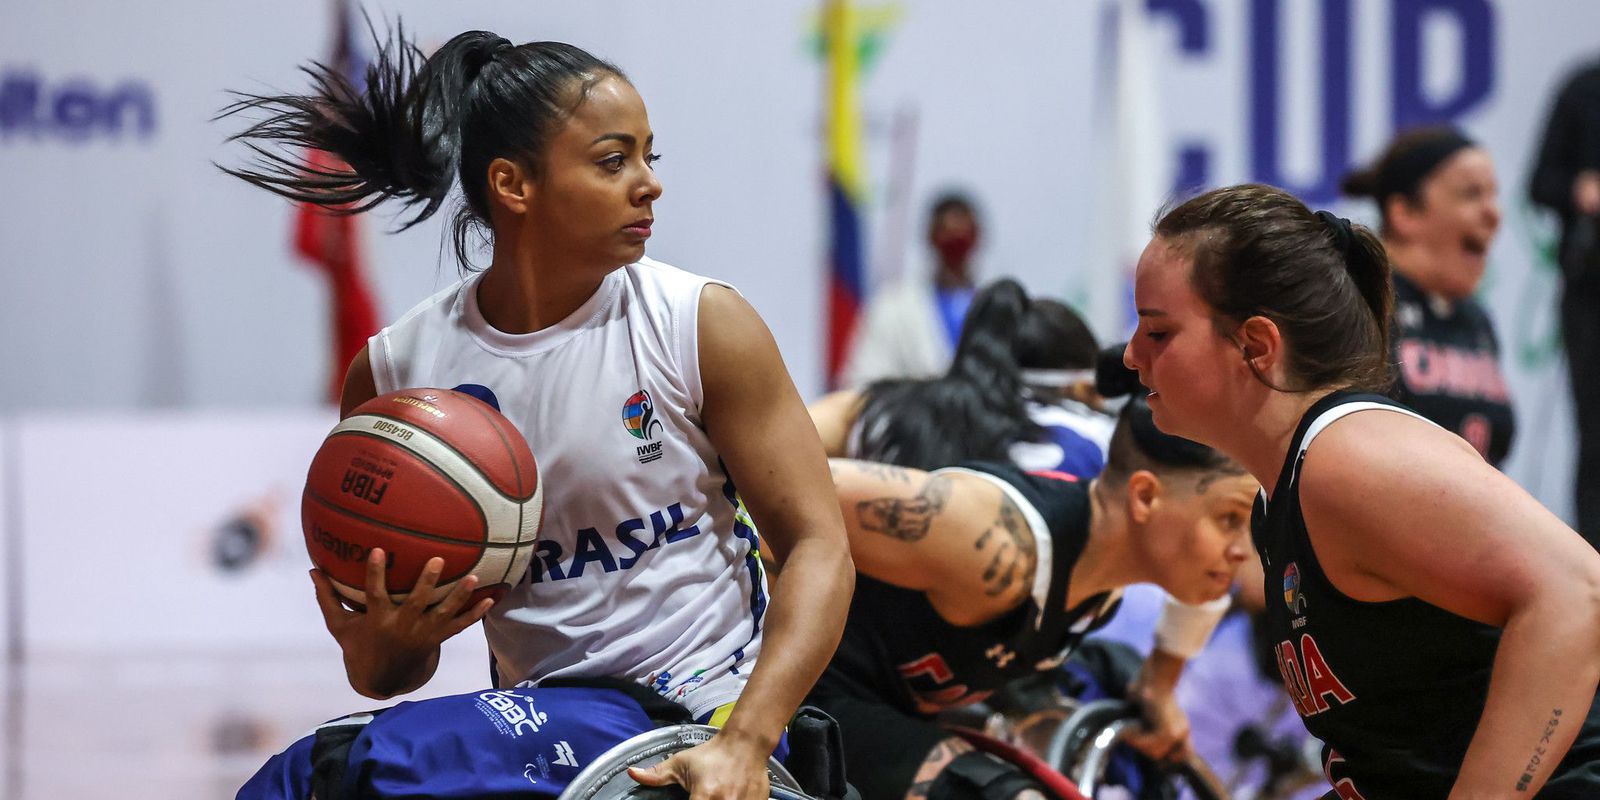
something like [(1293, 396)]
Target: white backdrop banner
[(163, 283), (177, 533), (9, 552), (166, 531)]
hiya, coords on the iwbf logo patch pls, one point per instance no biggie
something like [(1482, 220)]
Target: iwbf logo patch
[(639, 418), (1291, 590)]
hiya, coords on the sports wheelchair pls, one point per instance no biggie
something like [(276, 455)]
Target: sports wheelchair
[(1072, 769)]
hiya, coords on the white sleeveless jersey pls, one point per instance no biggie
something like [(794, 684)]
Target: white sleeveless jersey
[(647, 566)]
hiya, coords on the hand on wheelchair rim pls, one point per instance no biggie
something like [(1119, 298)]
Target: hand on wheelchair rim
[(1163, 733), (721, 769)]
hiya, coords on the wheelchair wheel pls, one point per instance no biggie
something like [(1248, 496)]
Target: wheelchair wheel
[(606, 778), (1081, 749)]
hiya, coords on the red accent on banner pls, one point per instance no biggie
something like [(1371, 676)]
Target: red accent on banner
[(333, 243)]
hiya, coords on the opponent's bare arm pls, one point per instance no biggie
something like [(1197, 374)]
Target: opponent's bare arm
[(1432, 520), (954, 535), (834, 415)]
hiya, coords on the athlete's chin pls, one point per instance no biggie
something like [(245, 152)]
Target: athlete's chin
[(1161, 413), (630, 253), (1203, 589)]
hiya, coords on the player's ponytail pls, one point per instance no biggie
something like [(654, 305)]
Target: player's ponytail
[(975, 411), (417, 125), (1368, 264), (397, 137)]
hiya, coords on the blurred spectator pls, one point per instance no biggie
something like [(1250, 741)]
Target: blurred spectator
[(1566, 179), (911, 327), (1436, 192)]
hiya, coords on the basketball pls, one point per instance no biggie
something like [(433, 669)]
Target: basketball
[(423, 473)]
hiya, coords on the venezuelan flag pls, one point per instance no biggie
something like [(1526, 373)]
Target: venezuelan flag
[(846, 181)]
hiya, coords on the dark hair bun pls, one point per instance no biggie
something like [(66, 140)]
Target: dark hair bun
[(1112, 378), (1360, 183)]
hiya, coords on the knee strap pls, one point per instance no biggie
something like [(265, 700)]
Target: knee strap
[(980, 776)]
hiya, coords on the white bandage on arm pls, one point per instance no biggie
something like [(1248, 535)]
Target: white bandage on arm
[(1183, 629)]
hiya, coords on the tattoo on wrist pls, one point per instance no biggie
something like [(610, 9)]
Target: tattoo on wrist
[(1539, 751), (908, 520)]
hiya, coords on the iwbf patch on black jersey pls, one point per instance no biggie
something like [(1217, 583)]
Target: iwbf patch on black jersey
[(1292, 596)]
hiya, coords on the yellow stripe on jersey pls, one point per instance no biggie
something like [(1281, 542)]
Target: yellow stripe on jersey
[(719, 717)]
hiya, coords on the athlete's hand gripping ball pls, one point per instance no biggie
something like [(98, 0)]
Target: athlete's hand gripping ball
[(388, 632)]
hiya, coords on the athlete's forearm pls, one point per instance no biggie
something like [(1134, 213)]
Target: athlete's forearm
[(1158, 677), (1543, 683), (802, 629)]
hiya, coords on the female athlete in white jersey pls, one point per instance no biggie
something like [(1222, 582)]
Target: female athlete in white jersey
[(647, 394), (1433, 624)]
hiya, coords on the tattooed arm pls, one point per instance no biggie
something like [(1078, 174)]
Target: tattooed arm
[(956, 536)]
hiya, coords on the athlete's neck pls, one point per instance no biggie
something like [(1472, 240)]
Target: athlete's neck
[(1107, 561), (1261, 441), (521, 296)]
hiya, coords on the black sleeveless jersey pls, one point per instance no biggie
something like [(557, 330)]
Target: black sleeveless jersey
[(1394, 689), (897, 649), (1448, 369)]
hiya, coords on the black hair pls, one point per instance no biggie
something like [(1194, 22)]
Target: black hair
[(1405, 166), (1055, 337), (1136, 442), (418, 124), (978, 408), (948, 201)]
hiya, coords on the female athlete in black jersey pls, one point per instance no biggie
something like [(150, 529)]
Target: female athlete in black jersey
[(970, 578), (1435, 189), (1434, 624)]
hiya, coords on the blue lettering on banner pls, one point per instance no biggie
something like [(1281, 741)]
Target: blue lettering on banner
[(1473, 22), (1194, 39), (1194, 27), (1266, 120), (1476, 22), (73, 111), (667, 526)]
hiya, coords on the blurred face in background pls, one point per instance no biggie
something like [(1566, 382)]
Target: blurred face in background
[(954, 235), (1444, 235)]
